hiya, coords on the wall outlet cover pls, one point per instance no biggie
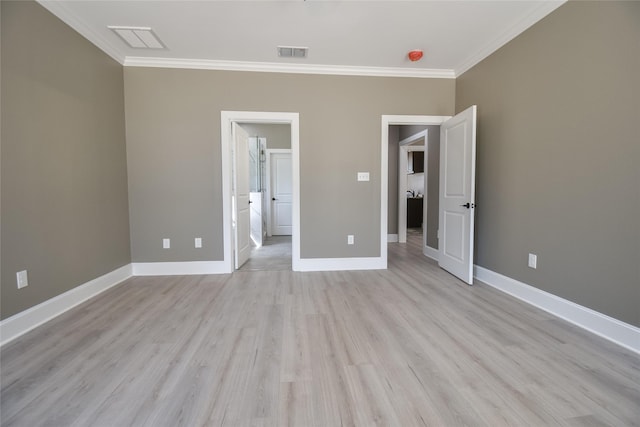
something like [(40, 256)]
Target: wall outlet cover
[(22, 279), (350, 239), (198, 242), (533, 261), (166, 243), (363, 176)]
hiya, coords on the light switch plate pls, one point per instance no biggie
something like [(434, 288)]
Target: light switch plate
[(363, 176)]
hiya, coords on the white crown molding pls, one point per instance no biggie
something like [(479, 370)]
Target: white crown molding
[(270, 67), (60, 10), (180, 268), (543, 9), (614, 330), (21, 323)]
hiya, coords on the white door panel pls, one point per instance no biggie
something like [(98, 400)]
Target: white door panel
[(282, 215), (454, 228), (242, 198), (256, 148), (457, 194), (256, 218), (281, 194)]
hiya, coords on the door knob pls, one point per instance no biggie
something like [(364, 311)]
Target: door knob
[(273, 198), (468, 205)]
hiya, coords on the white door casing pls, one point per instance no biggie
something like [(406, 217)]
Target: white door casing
[(227, 119), (280, 192), (241, 200), (457, 194)]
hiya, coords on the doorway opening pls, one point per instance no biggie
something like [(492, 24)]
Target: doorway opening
[(413, 181), (456, 188), (270, 195), (261, 190)]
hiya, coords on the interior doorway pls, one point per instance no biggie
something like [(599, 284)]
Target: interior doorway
[(246, 140), (456, 188), (270, 185), (413, 180), (278, 192)]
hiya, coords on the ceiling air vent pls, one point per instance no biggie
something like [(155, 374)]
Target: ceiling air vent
[(138, 37), (292, 52)]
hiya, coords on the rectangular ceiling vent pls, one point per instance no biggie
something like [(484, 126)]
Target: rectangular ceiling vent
[(138, 37), (292, 52)]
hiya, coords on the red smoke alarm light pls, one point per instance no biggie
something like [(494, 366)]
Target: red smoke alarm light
[(415, 55)]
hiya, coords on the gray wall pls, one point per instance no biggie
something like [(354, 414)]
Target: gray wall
[(64, 177), (405, 131), (278, 135), (173, 147), (558, 154)]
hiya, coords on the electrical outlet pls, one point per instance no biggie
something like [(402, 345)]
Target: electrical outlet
[(21, 278), (166, 243), (533, 260), (350, 239), (363, 176), (198, 242)]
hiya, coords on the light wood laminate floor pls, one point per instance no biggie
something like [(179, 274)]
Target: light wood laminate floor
[(274, 254), (409, 346)]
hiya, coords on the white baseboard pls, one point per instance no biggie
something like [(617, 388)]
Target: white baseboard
[(180, 268), (337, 264), (434, 254), (392, 238), (21, 323), (614, 330)]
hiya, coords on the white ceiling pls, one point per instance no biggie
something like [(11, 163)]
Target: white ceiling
[(343, 37)]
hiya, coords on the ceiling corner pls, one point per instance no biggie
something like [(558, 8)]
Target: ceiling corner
[(63, 13), (543, 9)]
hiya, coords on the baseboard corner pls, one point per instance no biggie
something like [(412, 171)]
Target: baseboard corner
[(21, 323)]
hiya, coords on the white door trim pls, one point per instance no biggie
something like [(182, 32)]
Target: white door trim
[(269, 152), (226, 120), (388, 120), (403, 183)]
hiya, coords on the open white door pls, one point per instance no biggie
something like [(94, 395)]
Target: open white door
[(241, 200), (281, 194), (256, 148), (457, 194)]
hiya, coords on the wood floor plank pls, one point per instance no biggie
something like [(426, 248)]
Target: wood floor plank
[(407, 346)]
